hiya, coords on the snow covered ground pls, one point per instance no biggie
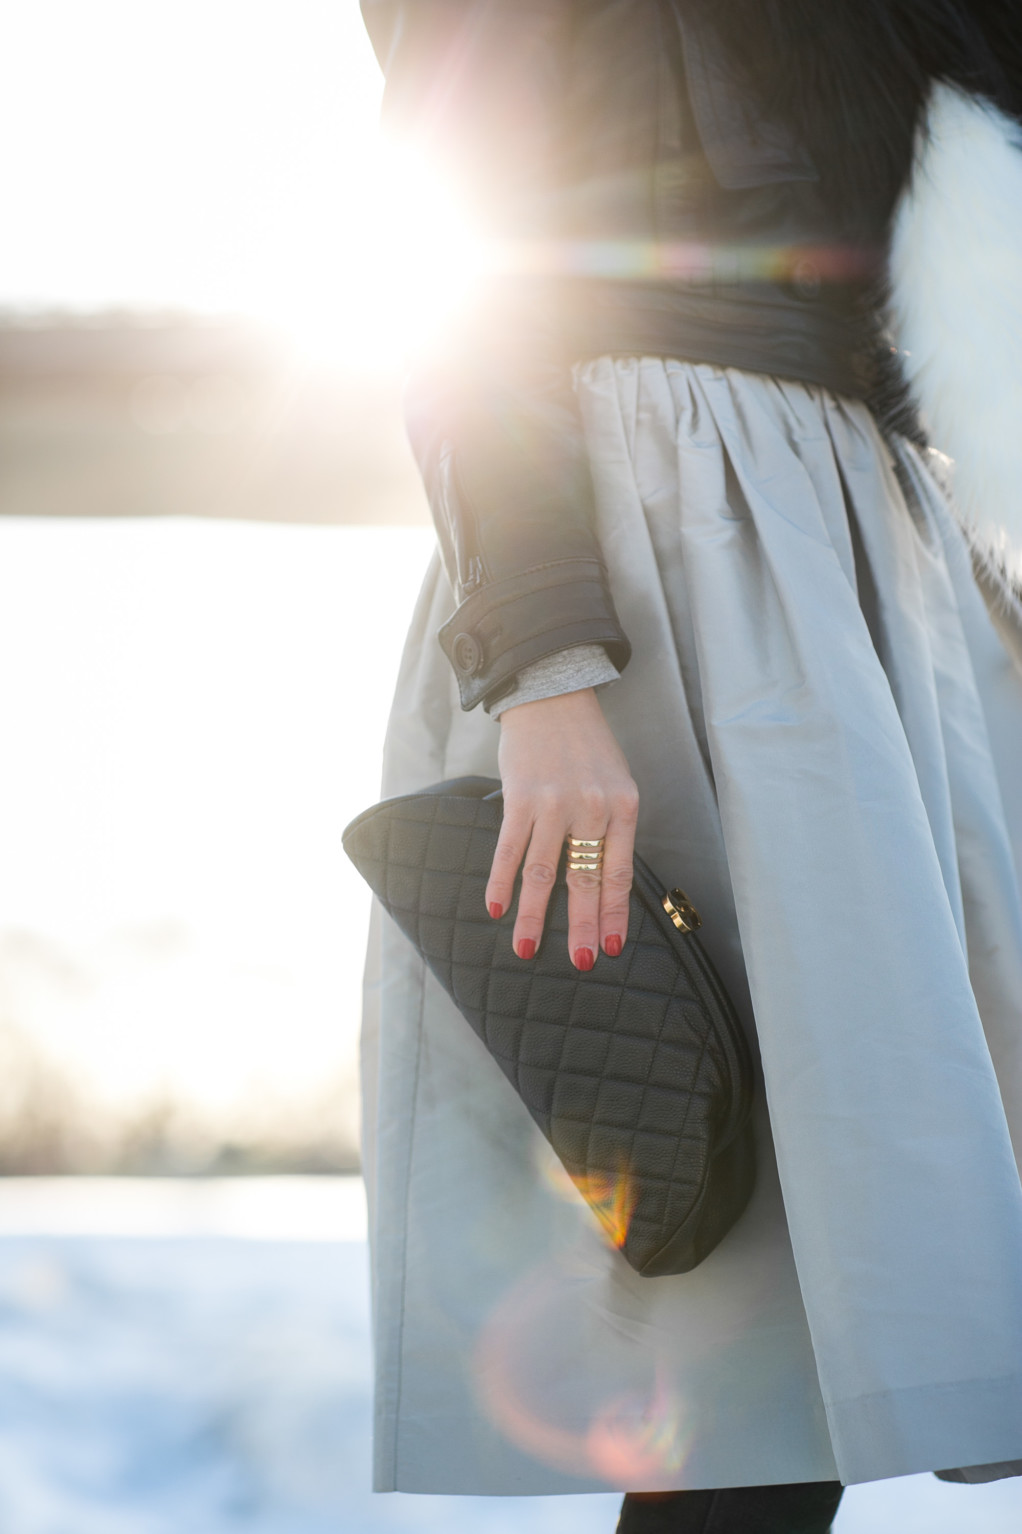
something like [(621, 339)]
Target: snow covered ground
[(195, 1357)]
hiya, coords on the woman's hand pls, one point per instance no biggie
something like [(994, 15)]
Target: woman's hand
[(564, 775)]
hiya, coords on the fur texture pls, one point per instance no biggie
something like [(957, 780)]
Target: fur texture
[(851, 78), (923, 94), (956, 310)]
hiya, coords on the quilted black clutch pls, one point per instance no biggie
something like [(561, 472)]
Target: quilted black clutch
[(637, 1071)]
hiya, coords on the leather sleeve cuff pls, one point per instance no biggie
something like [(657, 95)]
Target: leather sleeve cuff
[(511, 623)]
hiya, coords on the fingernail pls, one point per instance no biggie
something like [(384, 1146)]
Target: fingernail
[(526, 948), (612, 945), (496, 910), (584, 958)]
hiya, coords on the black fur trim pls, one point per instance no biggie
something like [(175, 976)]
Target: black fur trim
[(851, 79), (1000, 23), (887, 390)]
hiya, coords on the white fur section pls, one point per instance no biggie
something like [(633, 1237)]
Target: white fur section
[(956, 277)]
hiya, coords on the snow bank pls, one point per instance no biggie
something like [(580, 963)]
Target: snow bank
[(213, 1375)]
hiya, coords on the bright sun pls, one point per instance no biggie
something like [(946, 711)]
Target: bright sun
[(411, 263), (225, 157)]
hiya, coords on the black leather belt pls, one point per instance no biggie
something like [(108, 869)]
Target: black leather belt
[(817, 337)]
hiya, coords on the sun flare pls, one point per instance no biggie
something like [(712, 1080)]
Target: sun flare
[(411, 261), (273, 197)]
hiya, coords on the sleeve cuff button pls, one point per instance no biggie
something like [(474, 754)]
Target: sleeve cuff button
[(467, 654)]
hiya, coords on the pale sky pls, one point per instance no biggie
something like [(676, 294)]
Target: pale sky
[(219, 154)]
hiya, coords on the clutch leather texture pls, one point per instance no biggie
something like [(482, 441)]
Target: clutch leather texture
[(636, 1071)]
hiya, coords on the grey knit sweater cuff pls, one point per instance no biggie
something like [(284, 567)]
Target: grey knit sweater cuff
[(586, 665)]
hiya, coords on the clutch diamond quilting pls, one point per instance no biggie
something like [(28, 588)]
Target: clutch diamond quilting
[(637, 1071)]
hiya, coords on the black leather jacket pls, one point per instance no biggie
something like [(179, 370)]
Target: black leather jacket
[(645, 208)]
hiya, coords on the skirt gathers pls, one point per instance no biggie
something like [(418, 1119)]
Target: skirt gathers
[(826, 733)]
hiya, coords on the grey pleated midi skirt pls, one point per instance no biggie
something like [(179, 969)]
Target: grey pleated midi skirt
[(826, 731)]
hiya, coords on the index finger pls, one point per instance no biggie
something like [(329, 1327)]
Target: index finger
[(515, 832)]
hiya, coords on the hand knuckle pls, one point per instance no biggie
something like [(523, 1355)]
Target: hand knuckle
[(592, 802), (583, 881), (583, 914), (539, 873), (585, 934), (618, 877), (627, 802)]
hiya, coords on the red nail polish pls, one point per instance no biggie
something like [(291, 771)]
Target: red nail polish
[(584, 958), (526, 948), (612, 945), (496, 910)]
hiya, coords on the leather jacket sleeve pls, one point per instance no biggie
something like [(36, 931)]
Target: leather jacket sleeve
[(491, 411)]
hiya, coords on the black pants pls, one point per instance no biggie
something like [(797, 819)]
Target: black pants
[(808, 1507)]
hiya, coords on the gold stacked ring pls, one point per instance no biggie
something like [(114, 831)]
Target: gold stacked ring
[(585, 857)]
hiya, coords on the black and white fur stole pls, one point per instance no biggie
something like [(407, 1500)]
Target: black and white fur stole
[(911, 110)]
